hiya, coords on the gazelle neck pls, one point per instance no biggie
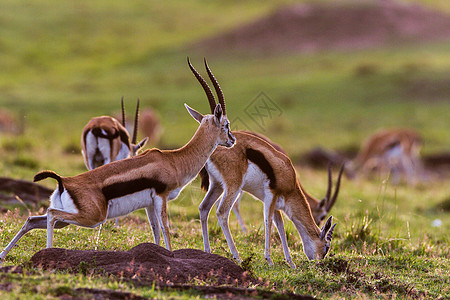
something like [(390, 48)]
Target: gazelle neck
[(298, 210), (191, 158)]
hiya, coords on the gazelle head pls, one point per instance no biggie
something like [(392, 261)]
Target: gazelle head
[(324, 243), (218, 120), (134, 148), (323, 208)]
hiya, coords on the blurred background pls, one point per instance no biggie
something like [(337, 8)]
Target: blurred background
[(304, 73)]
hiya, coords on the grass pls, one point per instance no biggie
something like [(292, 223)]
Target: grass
[(63, 64)]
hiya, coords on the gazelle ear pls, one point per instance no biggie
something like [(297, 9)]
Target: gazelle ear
[(325, 228), (141, 144), (218, 114), (195, 114)]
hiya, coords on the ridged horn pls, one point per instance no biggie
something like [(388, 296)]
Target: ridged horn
[(136, 123), (326, 199), (216, 87), (123, 113), (209, 94), (336, 191)]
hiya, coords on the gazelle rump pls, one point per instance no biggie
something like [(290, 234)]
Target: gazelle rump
[(390, 150), (105, 139), (147, 181), (319, 208), (255, 166)]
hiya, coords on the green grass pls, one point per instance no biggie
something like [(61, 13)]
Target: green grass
[(65, 63)]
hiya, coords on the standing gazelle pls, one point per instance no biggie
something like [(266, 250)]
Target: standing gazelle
[(104, 140), (255, 166), (319, 208), (121, 187)]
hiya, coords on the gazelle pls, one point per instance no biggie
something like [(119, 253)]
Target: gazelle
[(105, 139), (147, 181), (319, 208), (255, 166), (392, 150)]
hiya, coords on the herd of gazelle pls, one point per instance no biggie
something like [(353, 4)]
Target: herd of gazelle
[(120, 181)]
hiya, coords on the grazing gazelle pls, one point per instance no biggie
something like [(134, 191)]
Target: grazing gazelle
[(392, 150), (147, 181), (319, 208), (105, 140), (254, 166)]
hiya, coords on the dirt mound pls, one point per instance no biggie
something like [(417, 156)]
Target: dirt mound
[(27, 191), (315, 27), (147, 262)]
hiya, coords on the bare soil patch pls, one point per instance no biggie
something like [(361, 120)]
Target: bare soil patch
[(216, 292), (318, 27), (148, 261)]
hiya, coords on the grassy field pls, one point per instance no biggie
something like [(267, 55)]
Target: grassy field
[(63, 63)]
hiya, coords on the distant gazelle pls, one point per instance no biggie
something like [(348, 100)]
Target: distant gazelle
[(147, 180), (319, 208), (394, 151), (104, 140)]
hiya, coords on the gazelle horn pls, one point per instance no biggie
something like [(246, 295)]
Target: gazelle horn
[(336, 191), (136, 123), (326, 199), (216, 87), (209, 94), (123, 113)]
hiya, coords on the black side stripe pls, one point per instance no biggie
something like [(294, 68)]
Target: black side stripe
[(258, 159), (121, 189)]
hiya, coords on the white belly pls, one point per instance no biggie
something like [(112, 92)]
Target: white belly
[(256, 182), (127, 204)]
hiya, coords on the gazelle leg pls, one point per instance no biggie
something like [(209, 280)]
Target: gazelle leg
[(278, 220), (161, 213), (51, 220), (153, 220), (237, 213), (223, 214), (211, 197), (34, 222), (269, 208)]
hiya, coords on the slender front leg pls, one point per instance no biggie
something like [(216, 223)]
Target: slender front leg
[(278, 220), (214, 192), (153, 220), (269, 208), (161, 213), (223, 214), (237, 213)]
